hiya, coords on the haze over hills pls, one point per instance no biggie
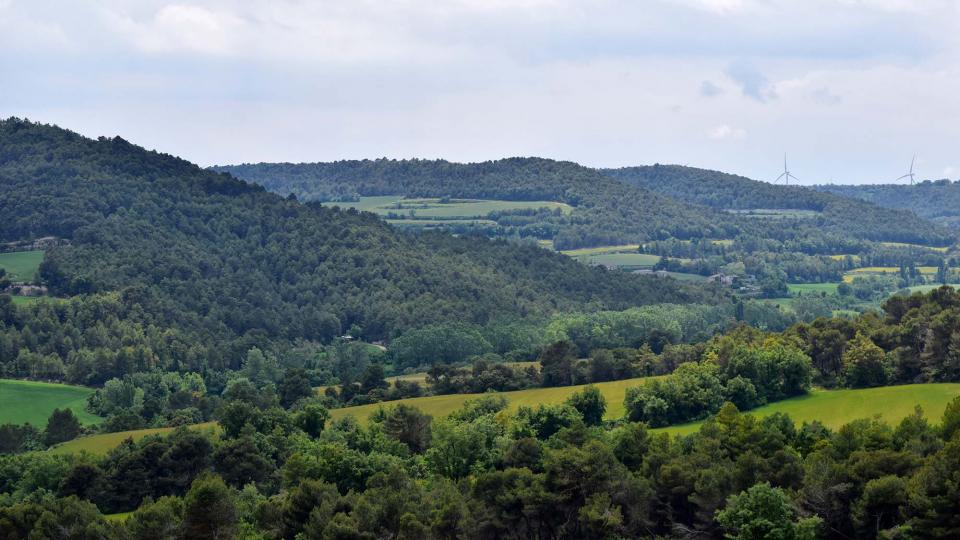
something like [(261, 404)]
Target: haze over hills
[(938, 201)]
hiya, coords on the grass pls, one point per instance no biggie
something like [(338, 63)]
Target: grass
[(30, 401), (118, 518), (775, 213), (24, 300), (928, 288), (440, 406), (807, 288), (439, 222), (628, 260), (902, 244), (835, 408), (686, 277), (600, 250), (21, 265), (454, 208), (103, 443)]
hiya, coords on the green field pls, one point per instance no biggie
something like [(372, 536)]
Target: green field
[(807, 288), (928, 288), (835, 408), (901, 244), (439, 222), (774, 213), (24, 300), (624, 260), (600, 250), (29, 401), (103, 443), (440, 406), (437, 209), (21, 265)]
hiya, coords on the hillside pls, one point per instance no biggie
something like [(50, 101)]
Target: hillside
[(605, 212), (836, 213), (227, 265), (938, 201)]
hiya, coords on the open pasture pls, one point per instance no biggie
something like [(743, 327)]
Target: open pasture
[(623, 260), (921, 246), (834, 408), (440, 406), (104, 442), (812, 288), (21, 265), (602, 250), (33, 402), (444, 209), (776, 213)]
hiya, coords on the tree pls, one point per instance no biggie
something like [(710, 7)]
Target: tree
[(864, 364), (410, 426), (62, 426), (950, 424), (556, 363), (764, 513), (312, 419), (294, 387), (209, 512), (240, 462), (590, 403)]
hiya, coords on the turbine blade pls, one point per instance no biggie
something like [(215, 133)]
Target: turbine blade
[(781, 176)]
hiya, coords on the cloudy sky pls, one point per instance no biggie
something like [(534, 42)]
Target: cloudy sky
[(850, 89)]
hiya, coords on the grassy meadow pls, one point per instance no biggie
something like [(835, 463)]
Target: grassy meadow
[(438, 209), (30, 401), (21, 265), (103, 443), (816, 288), (834, 408)]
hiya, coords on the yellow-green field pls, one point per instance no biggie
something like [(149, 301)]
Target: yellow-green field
[(438, 209), (807, 288), (902, 244), (600, 250), (440, 406), (21, 265), (103, 443), (835, 408), (883, 270), (831, 407), (627, 260), (31, 401)]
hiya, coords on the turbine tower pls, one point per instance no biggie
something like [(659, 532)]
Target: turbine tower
[(910, 174), (786, 174)]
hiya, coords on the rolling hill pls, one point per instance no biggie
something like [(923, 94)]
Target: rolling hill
[(937, 201), (838, 213), (159, 244)]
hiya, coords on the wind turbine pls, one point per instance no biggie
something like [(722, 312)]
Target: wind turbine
[(786, 174), (909, 174)]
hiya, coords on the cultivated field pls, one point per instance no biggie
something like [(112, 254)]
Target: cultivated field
[(901, 244), (831, 407), (103, 443), (601, 250), (436, 208), (624, 260), (21, 265), (816, 288), (29, 401), (834, 408), (440, 406), (774, 213)]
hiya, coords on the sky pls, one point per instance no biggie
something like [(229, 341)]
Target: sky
[(849, 90)]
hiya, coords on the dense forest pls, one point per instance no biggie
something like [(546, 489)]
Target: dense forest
[(611, 206), (938, 200), (224, 265), (280, 468)]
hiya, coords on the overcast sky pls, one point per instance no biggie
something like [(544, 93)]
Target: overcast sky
[(849, 89)]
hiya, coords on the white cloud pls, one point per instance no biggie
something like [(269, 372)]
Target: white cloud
[(725, 132)]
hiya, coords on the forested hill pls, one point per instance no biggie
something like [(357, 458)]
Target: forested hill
[(606, 211), (636, 204), (217, 257), (938, 201), (840, 212)]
